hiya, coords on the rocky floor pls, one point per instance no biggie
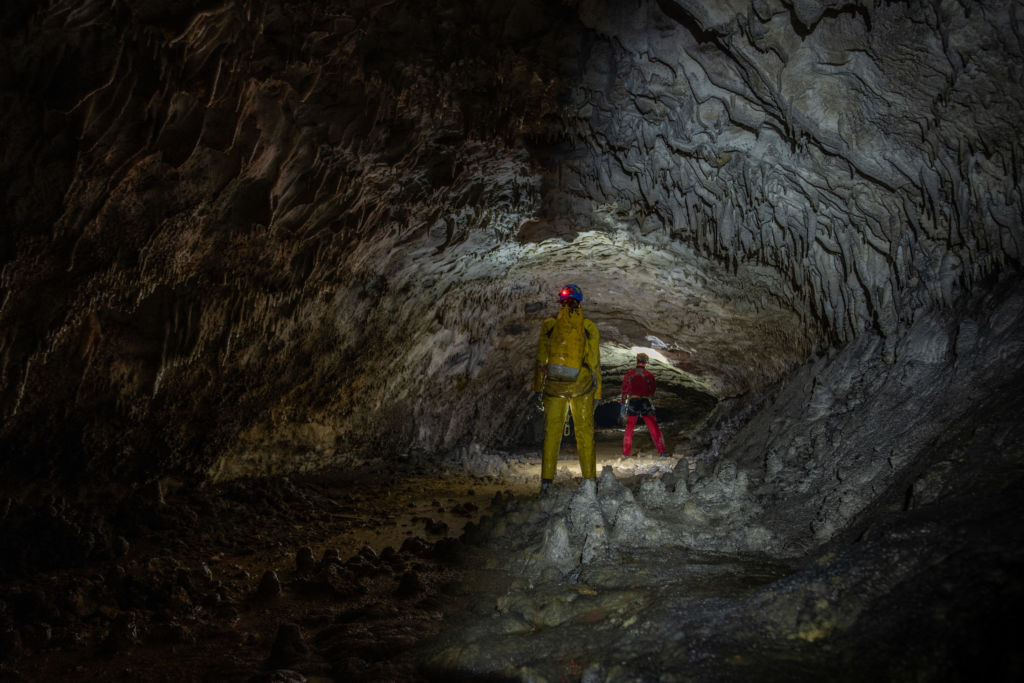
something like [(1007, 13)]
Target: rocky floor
[(411, 574), (335, 577)]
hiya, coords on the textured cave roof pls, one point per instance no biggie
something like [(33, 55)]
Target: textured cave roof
[(253, 228)]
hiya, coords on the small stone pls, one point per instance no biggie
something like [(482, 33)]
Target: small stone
[(37, 635), (631, 526), (124, 633), (304, 560), (280, 676), (204, 572), (81, 603), (593, 674), (270, 585), (447, 549), (331, 556), (388, 554), (556, 549), (363, 564), (584, 513), (339, 580), (653, 493), (410, 584), (588, 487), (595, 546), (416, 546), (288, 645), (437, 527), (180, 633), (10, 644)]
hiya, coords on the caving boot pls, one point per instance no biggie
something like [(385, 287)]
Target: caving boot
[(664, 455), (545, 484)]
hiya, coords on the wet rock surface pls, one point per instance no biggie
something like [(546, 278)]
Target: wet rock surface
[(259, 203), (914, 600), (248, 245), (335, 578), (643, 574)]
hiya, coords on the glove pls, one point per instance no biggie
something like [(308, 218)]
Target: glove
[(538, 401), (622, 413)]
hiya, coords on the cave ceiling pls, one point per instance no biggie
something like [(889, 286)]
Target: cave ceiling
[(234, 225)]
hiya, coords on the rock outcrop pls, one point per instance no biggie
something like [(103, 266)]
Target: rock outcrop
[(256, 238)]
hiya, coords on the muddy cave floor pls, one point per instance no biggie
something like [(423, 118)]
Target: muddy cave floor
[(371, 575)]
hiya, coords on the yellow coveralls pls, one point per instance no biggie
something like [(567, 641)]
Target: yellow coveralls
[(568, 341)]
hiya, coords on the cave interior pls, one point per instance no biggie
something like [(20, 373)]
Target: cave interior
[(271, 280)]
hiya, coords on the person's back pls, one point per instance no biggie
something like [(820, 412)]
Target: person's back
[(568, 377), (567, 335), (639, 382), (638, 386)]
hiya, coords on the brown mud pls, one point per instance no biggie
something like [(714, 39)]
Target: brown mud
[(333, 577)]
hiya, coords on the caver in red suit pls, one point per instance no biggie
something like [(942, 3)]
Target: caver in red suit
[(637, 388)]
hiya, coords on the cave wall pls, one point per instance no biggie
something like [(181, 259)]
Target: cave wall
[(247, 238), (853, 436), (207, 205), (869, 154)]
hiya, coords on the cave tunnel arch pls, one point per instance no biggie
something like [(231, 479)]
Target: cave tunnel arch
[(267, 263), (681, 401)]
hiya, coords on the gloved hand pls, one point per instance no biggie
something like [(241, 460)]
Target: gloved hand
[(622, 413), (538, 401)]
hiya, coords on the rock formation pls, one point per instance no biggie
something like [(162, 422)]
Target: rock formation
[(262, 238)]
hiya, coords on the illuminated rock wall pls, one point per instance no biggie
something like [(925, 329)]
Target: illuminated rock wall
[(263, 237)]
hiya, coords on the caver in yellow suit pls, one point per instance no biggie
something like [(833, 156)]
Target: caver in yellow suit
[(568, 375)]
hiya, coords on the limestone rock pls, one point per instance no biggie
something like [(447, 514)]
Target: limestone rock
[(556, 548), (269, 586), (632, 527), (653, 494), (584, 512), (305, 562), (612, 494), (288, 646), (595, 545)]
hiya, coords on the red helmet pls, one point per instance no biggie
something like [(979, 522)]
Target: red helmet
[(571, 292)]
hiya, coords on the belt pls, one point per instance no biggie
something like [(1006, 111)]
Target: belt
[(638, 396)]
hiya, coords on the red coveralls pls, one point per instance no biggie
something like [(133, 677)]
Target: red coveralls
[(637, 387)]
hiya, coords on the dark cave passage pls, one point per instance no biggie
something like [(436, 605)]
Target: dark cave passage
[(272, 277)]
